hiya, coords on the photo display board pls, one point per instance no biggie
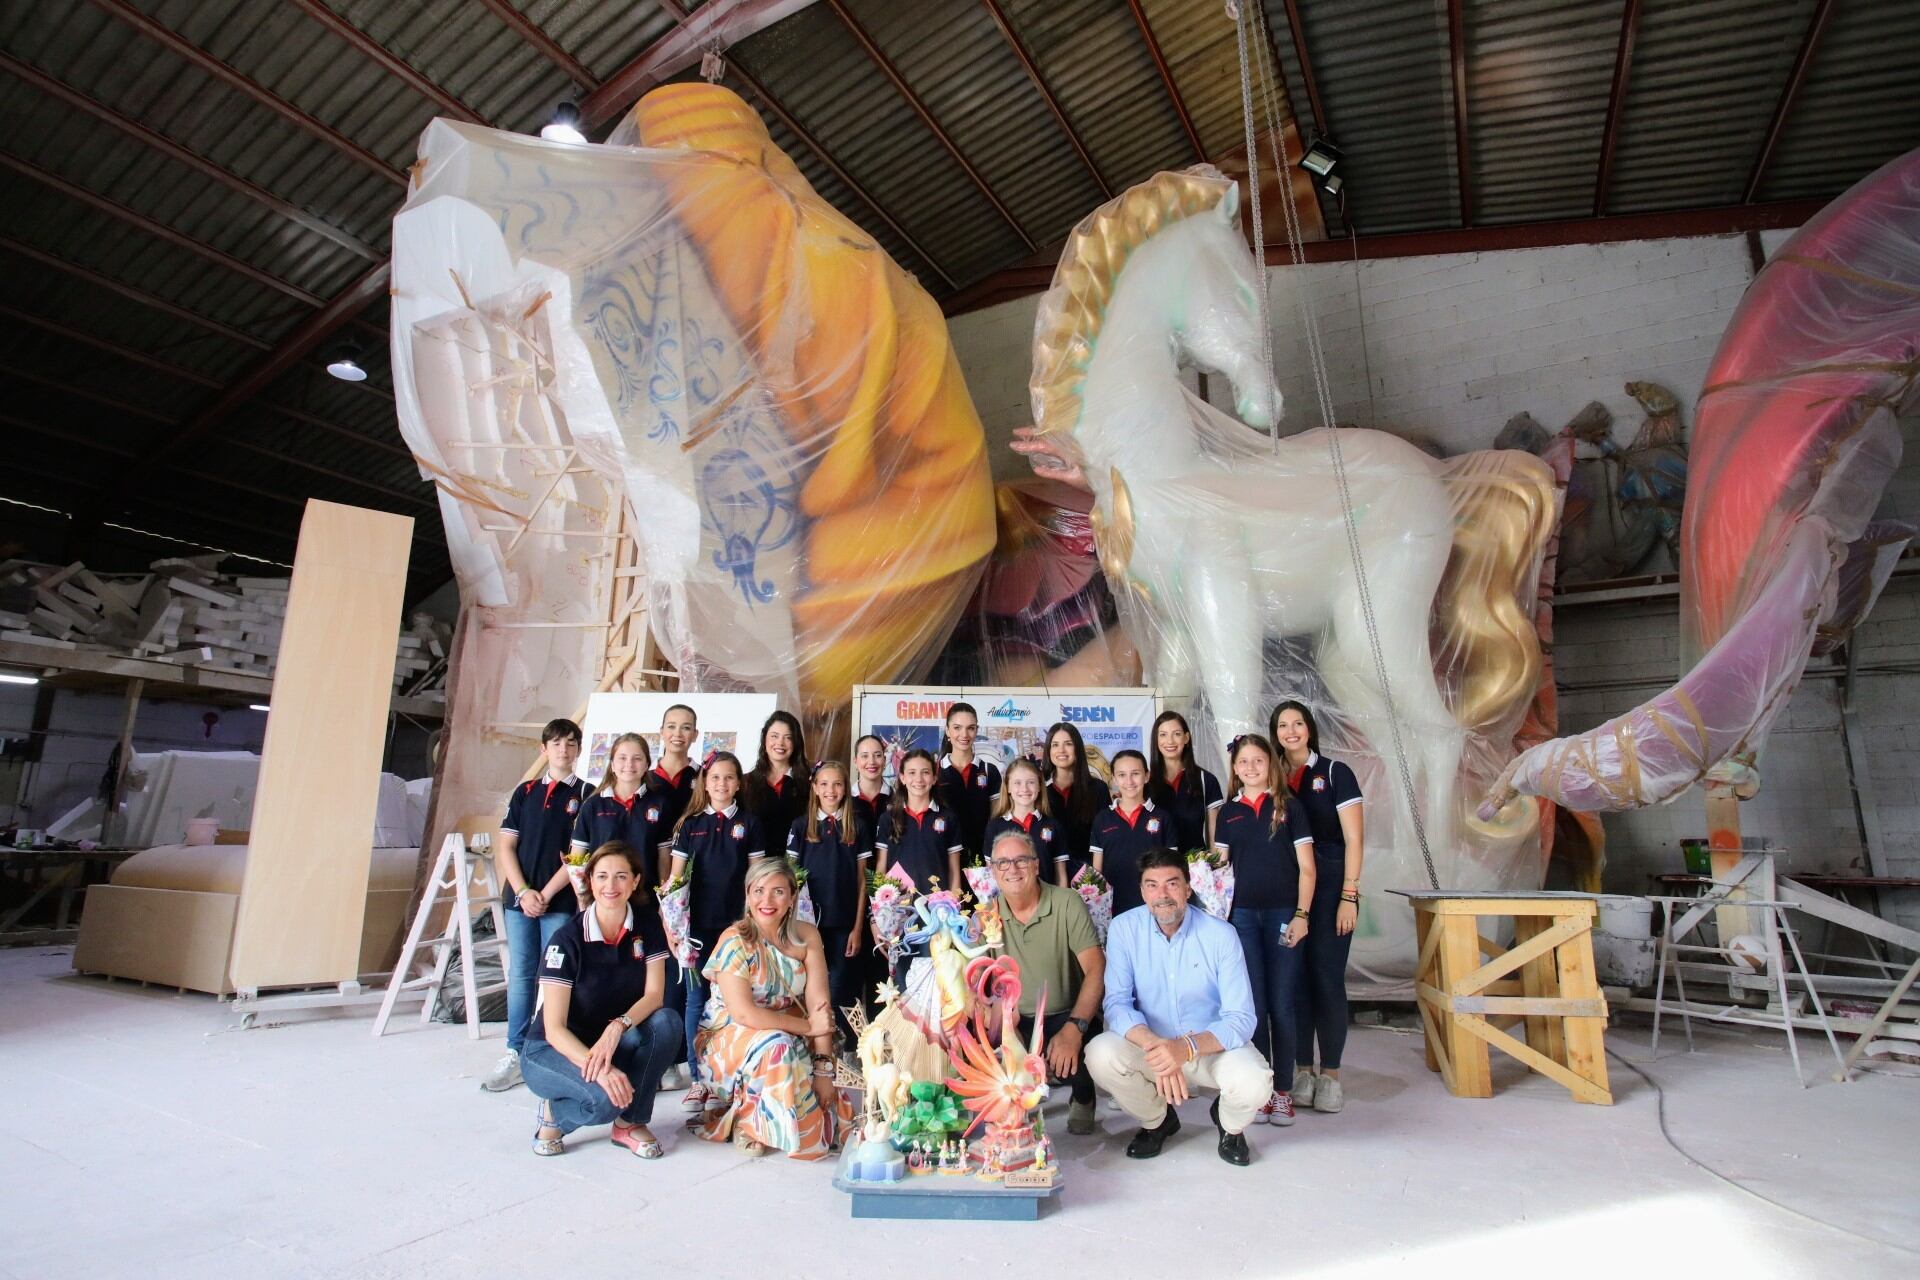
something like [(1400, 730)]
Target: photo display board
[(727, 722)]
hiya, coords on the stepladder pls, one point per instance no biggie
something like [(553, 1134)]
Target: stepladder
[(458, 871), (1473, 991)]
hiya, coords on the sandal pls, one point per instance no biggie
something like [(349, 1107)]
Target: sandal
[(547, 1146), (747, 1143), (647, 1148)]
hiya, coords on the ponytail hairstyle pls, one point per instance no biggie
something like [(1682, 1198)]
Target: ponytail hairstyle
[(697, 801), (946, 744), (1003, 804), (1276, 776), (1159, 786), (646, 754), (796, 766), (845, 814), (899, 806), (1080, 780), (1294, 704)]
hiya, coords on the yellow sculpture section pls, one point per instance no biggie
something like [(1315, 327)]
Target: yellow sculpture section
[(856, 356)]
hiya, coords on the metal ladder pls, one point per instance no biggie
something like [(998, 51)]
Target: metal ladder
[(450, 886)]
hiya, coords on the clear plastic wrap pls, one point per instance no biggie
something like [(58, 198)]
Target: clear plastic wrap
[(672, 344), (1229, 560), (1795, 439)]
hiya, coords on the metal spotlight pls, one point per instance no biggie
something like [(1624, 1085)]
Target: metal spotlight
[(345, 365), (1331, 184), (565, 125), (1321, 157)]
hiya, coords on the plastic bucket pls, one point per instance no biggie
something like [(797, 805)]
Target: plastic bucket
[(1625, 916), (1699, 863)]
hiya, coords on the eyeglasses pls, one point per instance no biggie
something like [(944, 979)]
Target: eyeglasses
[(1011, 864)]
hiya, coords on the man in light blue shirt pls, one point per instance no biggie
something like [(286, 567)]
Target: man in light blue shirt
[(1179, 1013)]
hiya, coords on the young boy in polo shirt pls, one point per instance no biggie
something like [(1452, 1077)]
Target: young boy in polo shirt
[(530, 857)]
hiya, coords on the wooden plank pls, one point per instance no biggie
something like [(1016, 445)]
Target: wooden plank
[(1583, 1090), (1428, 938), (1831, 909), (303, 897), (1459, 956), (1549, 1009), (1586, 1037), (1541, 906), (1531, 949), (1540, 977)]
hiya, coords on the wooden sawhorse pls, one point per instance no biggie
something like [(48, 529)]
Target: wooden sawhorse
[(1545, 979)]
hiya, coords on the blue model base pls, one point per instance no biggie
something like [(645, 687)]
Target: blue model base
[(947, 1197)]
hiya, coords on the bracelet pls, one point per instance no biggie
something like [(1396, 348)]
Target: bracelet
[(1354, 898), (1299, 913), (1193, 1048)]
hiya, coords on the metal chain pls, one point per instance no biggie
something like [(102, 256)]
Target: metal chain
[(1238, 12), (1316, 353)]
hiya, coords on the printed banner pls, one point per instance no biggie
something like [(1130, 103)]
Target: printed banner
[(727, 722), (1013, 721)]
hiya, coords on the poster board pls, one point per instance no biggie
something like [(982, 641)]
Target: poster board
[(727, 722), (1013, 720)]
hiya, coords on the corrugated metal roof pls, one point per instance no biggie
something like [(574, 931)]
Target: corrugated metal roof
[(1858, 108), (1197, 40), (1387, 82), (1706, 76), (1538, 73)]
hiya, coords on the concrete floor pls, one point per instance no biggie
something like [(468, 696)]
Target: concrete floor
[(142, 1134)]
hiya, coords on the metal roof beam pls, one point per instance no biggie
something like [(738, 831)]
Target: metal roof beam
[(387, 61), (159, 230), (1046, 95), (1616, 104), (1166, 78), (132, 294), (1298, 30), (1462, 140), (181, 47), (544, 44), (1816, 27), (200, 164), (892, 73)]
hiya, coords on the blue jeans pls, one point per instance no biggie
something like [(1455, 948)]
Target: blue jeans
[(696, 1004), (527, 939), (643, 1054), (1270, 970)]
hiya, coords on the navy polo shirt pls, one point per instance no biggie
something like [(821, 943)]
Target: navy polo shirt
[(1324, 788), (608, 975), (607, 817), (1075, 836), (1266, 863), (675, 792), (870, 809), (834, 861), (1187, 800), (1122, 840), (918, 843), (718, 846), (969, 793), (776, 804), (541, 814), (1039, 828)]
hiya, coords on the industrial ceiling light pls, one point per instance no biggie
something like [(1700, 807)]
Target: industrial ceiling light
[(258, 706), (565, 125), (1321, 157), (10, 677), (1331, 184), (345, 365)]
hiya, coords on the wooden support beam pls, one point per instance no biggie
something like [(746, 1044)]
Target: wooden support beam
[(1166, 78), (1809, 44), (1616, 104), (1462, 140), (1008, 34), (899, 82)]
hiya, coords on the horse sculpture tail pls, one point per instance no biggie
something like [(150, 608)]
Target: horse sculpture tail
[(1504, 508)]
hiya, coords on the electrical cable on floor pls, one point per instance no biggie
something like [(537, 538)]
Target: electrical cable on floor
[(1660, 1095)]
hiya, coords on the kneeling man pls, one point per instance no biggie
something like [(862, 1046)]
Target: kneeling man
[(1179, 1013)]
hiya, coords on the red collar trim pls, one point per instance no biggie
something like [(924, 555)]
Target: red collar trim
[(1026, 823), (1255, 804), (1132, 819), (671, 779)]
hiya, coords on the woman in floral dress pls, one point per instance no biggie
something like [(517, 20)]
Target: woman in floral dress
[(766, 1040)]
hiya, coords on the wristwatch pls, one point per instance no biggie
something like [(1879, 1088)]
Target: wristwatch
[(1081, 1023), (623, 1020)]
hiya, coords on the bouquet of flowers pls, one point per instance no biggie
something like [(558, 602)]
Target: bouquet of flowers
[(803, 899), (576, 860), (675, 907), (890, 904), (980, 881), (1211, 876), (1098, 895)]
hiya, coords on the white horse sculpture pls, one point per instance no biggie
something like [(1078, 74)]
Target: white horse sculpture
[(1221, 544)]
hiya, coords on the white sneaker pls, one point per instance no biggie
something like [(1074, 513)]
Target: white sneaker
[(505, 1074), (1304, 1082), (675, 1077), (1329, 1097)]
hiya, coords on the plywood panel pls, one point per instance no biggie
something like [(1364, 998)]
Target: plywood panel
[(304, 896)]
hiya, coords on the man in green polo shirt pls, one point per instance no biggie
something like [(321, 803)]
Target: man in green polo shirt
[(1050, 936)]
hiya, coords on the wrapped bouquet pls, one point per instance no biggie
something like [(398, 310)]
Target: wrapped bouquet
[(1098, 895), (890, 897), (675, 905), (1211, 876), (803, 898), (576, 860), (980, 882)]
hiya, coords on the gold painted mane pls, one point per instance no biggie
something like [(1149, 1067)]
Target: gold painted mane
[(1073, 309)]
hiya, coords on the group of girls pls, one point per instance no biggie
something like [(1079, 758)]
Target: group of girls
[(1292, 830)]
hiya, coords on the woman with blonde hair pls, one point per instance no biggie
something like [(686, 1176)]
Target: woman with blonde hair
[(766, 1041)]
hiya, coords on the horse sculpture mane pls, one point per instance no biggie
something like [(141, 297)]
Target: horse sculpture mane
[(1071, 312)]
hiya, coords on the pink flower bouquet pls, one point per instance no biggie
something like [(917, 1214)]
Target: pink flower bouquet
[(1098, 895), (980, 881), (1211, 876), (675, 907), (890, 904), (803, 897)]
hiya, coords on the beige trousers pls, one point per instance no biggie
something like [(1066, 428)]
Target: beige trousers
[(1242, 1076)]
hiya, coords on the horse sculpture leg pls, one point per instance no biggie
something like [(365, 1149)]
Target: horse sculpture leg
[(1218, 612)]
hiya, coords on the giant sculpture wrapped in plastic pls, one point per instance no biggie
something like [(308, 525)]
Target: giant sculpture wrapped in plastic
[(665, 378), (1232, 556), (1794, 440)]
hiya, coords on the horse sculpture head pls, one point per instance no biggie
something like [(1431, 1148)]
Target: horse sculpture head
[(1214, 284)]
